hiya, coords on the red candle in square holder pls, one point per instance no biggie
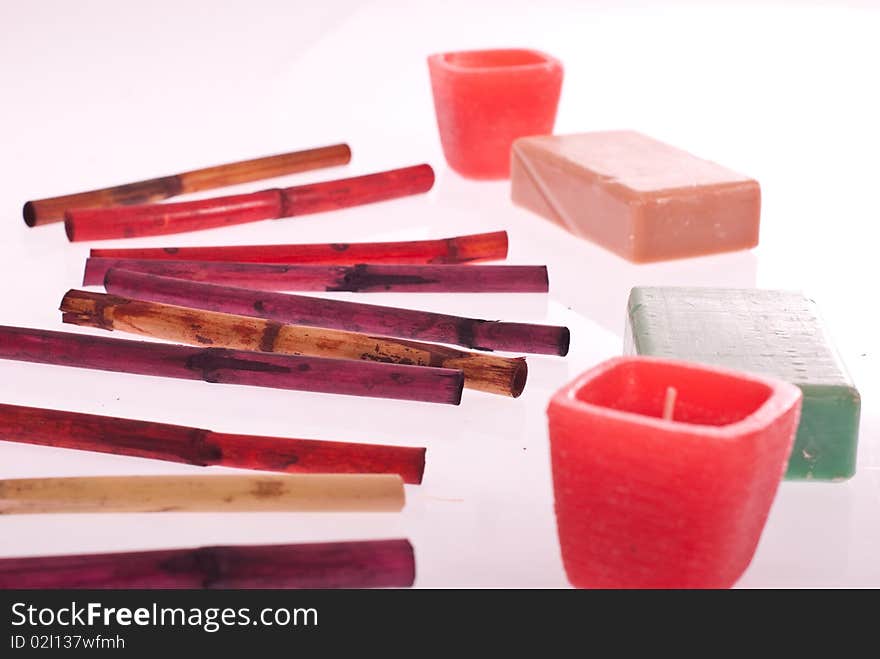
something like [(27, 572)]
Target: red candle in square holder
[(664, 471), (485, 99)]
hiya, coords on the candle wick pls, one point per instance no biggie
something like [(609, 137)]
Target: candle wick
[(669, 403)]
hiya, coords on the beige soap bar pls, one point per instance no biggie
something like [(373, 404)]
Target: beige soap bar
[(640, 198)]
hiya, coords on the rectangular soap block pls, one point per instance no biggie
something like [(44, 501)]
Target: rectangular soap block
[(776, 333), (640, 198)]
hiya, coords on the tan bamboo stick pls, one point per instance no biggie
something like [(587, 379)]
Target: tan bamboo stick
[(498, 375), (44, 211), (154, 494)]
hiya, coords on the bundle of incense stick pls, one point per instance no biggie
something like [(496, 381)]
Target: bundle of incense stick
[(337, 278), (460, 249), (159, 219), (195, 446), (44, 211), (340, 376), (338, 314), (372, 564), (498, 375), (160, 494)]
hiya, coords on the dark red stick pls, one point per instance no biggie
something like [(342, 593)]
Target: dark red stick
[(461, 249), (160, 219), (337, 314), (337, 278), (195, 446), (370, 564), (336, 376)]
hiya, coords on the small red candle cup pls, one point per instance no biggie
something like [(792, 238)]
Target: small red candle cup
[(644, 501), (485, 99)]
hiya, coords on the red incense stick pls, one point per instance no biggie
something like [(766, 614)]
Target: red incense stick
[(338, 278), (461, 249), (369, 564), (160, 219), (337, 314), (337, 376), (195, 446)]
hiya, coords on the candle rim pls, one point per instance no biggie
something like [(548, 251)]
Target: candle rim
[(447, 60), (782, 395)]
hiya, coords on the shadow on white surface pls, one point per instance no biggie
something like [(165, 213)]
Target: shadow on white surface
[(808, 539)]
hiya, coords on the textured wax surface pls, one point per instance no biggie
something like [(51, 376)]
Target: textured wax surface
[(634, 160), (776, 333), (486, 99), (644, 502), (640, 198)]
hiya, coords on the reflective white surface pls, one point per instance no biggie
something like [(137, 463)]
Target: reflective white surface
[(104, 93)]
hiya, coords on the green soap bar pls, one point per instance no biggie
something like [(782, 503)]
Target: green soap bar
[(776, 333)]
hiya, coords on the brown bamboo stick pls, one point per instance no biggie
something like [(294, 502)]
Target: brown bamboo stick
[(160, 494), (484, 372), (45, 211)]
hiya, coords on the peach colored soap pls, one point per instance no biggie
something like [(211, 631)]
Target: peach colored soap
[(640, 198)]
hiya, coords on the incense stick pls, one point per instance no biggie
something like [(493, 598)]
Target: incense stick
[(160, 494), (338, 278), (195, 446), (338, 314), (219, 365), (460, 249), (373, 564), (44, 211), (498, 375), (161, 219)]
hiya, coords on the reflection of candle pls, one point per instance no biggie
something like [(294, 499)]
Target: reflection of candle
[(645, 502), (776, 333), (485, 99)]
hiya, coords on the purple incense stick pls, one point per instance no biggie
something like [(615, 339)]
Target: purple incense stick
[(320, 374), (368, 564), (337, 314), (364, 278)]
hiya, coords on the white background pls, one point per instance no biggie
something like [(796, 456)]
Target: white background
[(100, 93)]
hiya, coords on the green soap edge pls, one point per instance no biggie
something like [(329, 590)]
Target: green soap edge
[(826, 443), (811, 458)]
